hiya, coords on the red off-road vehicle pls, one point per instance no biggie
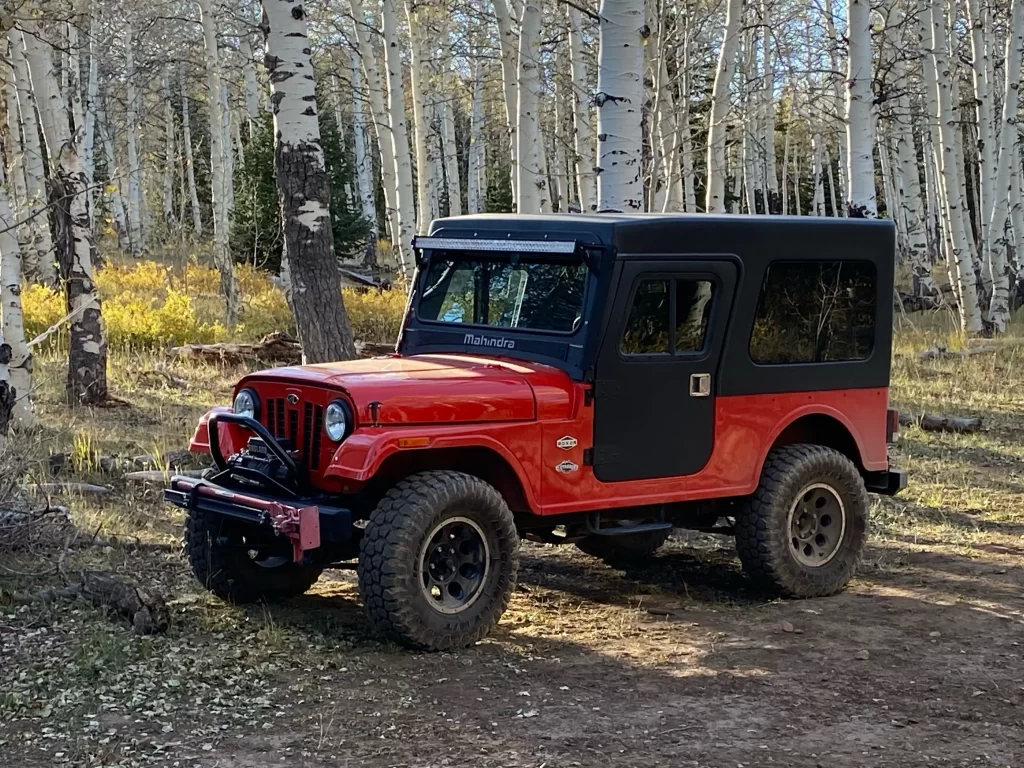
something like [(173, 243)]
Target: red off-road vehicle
[(593, 380)]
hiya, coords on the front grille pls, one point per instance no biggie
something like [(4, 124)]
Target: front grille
[(282, 421)]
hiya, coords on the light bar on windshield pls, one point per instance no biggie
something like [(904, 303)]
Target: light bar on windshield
[(507, 246)]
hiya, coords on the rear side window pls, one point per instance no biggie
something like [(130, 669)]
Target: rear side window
[(667, 317), (815, 312)]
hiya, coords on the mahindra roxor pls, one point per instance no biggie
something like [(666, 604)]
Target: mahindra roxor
[(584, 379)]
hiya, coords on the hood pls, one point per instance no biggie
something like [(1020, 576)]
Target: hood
[(428, 389)]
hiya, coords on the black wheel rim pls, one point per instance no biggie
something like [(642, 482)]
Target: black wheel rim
[(453, 564), (817, 525)]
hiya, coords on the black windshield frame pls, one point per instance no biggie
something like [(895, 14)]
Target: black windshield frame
[(486, 260)]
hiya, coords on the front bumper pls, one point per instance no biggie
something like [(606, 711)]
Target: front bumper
[(261, 490), (887, 483)]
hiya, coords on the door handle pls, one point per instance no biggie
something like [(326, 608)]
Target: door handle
[(700, 385)]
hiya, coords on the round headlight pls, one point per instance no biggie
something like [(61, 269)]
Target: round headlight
[(336, 420), (246, 403)]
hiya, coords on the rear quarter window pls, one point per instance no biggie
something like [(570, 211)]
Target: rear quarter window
[(815, 312)]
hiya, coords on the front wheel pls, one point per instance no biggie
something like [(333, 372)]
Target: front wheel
[(803, 532), (438, 561)]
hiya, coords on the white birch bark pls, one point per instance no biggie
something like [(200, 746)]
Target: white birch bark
[(219, 167), (404, 190), (531, 180), (39, 264), (1017, 216), (304, 188), (451, 160), (132, 136), (949, 173), (89, 138), (74, 77), (427, 205), (771, 170), (998, 233), (509, 48), (839, 94), (364, 164), (48, 99), (115, 201), (476, 193), (981, 70), (583, 138), (250, 86), (859, 139), (19, 367), (830, 175), (16, 168), (186, 140), (169, 149), (717, 160), (619, 99), (377, 94)]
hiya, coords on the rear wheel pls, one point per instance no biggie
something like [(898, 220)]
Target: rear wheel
[(241, 563), (803, 532), (627, 549), (438, 561)]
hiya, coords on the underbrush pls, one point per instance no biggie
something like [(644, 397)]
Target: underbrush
[(149, 305)]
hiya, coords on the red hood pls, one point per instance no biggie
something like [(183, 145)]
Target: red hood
[(430, 389)]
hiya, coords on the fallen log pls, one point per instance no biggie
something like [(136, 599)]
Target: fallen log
[(59, 488), (276, 347), (932, 423), (147, 611), (940, 353)]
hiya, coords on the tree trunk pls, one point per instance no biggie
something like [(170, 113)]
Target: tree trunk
[(186, 140), (427, 207), (720, 108), (960, 250), (404, 191), (451, 160), (16, 369), (381, 123), (115, 200), (583, 138), (134, 168), (768, 102), (531, 180), (860, 198), (620, 95), (509, 47), (251, 87), (16, 168), (219, 168), (304, 187), (476, 193), (89, 137), (981, 70), (39, 266), (364, 164), (998, 232), (168, 170)]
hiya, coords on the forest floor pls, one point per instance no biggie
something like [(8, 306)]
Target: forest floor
[(679, 663)]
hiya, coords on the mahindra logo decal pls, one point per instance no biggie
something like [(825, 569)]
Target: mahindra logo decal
[(489, 341)]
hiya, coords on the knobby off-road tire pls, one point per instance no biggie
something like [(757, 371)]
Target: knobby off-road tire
[(407, 530), (628, 549), (799, 482), (220, 560)]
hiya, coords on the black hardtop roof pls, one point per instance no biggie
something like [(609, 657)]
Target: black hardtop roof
[(693, 232)]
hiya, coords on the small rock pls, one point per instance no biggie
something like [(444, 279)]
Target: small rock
[(107, 464), (862, 656), (934, 634), (787, 627), (531, 713)]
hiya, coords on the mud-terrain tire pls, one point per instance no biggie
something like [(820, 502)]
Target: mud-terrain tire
[(803, 531), (220, 560), (627, 549), (405, 546)]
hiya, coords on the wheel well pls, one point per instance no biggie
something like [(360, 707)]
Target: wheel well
[(480, 462), (824, 430)]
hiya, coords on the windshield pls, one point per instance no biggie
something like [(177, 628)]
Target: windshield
[(514, 291)]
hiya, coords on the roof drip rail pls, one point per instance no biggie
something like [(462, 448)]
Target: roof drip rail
[(563, 247)]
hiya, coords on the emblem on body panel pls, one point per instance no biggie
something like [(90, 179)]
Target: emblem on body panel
[(567, 443), (293, 399), (566, 467)]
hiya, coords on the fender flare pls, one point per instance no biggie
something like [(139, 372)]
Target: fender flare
[(815, 409)]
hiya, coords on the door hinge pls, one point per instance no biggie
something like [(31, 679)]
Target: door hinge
[(588, 395), (588, 457)]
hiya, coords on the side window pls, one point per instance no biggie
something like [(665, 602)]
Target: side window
[(815, 312), (668, 317)]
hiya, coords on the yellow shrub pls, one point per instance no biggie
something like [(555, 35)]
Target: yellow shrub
[(150, 305)]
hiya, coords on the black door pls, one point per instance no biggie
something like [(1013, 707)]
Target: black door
[(657, 370)]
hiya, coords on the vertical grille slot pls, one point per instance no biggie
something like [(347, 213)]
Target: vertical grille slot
[(270, 415), (316, 429), (279, 431), (307, 432), (293, 426)]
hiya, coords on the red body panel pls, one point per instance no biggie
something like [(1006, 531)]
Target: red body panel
[(520, 411)]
